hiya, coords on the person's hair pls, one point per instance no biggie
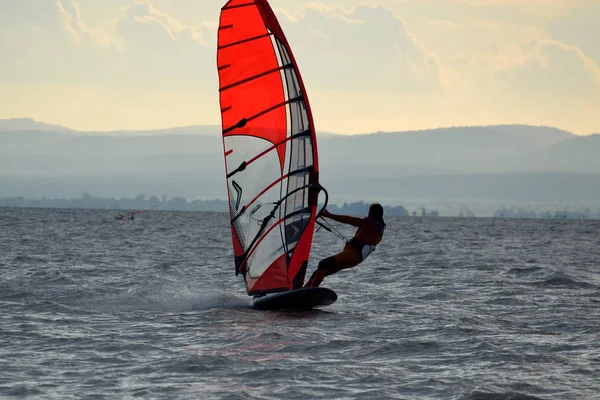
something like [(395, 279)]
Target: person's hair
[(376, 212)]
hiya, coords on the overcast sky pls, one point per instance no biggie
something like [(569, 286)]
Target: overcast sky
[(368, 65)]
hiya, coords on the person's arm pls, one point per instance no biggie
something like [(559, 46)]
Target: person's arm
[(345, 219)]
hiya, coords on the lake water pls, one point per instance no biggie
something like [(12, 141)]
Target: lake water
[(446, 308)]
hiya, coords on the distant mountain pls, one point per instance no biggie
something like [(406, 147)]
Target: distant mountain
[(492, 162), (28, 124), (196, 139), (460, 150), (577, 154), (18, 142), (204, 130), (438, 151)]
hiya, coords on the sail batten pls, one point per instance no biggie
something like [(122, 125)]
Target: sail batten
[(244, 41), (269, 144), (241, 82), (237, 6), (277, 224), (276, 145), (244, 121)]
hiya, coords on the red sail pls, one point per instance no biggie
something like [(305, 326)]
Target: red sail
[(270, 148)]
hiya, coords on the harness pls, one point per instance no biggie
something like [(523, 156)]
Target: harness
[(363, 248)]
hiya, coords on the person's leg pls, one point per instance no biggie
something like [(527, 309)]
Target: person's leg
[(324, 268), (348, 258)]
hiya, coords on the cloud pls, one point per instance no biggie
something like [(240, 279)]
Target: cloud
[(555, 72), (467, 22), (366, 48), (78, 30), (144, 12), (480, 48), (366, 66), (111, 35), (504, 58), (162, 50), (549, 53), (522, 4), (68, 22), (477, 46), (579, 28), (328, 11), (136, 46), (557, 84)]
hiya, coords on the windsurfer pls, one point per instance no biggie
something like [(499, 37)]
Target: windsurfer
[(369, 234)]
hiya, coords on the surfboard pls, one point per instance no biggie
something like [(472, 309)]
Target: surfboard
[(299, 299), (270, 154)]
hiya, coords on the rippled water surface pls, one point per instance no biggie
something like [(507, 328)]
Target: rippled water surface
[(446, 308)]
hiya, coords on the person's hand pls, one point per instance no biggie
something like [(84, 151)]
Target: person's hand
[(325, 213)]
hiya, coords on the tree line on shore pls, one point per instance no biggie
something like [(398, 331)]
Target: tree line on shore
[(217, 205), (164, 203)]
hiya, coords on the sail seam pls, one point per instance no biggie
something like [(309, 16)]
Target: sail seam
[(261, 235), (244, 121), (224, 88), (293, 173), (245, 164), (286, 196), (244, 41), (238, 6), (292, 137)]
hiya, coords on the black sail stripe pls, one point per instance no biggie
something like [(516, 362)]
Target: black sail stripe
[(259, 234), (238, 6), (253, 77), (245, 164), (244, 121), (293, 173), (251, 39)]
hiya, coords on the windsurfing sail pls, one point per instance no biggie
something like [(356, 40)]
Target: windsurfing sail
[(270, 147), (130, 214)]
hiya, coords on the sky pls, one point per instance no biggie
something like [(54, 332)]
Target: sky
[(387, 65)]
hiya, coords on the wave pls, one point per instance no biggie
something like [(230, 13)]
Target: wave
[(523, 271), (500, 396), (562, 280), (170, 297)]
